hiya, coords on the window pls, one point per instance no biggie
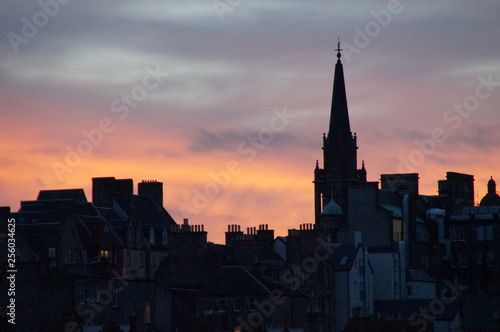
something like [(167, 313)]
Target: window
[(462, 259), (454, 260), (327, 278), (409, 291), (251, 304), (221, 305), (397, 227), (480, 233), (138, 236), (361, 290), (454, 233), (422, 235), (152, 235), (489, 233), (141, 260), (115, 297), (52, 252), (327, 306), (479, 258), (462, 233), (153, 260), (127, 259), (96, 296), (237, 304), (129, 235), (104, 253), (147, 313), (490, 258), (344, 260), (84, 255), (80, 296), (164, 239)]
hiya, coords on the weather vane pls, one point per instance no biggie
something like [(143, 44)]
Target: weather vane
[(338, 48)]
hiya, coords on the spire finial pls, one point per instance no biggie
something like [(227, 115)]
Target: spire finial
[(338, 49)]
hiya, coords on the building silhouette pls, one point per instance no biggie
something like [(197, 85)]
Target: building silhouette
[(370, 260)]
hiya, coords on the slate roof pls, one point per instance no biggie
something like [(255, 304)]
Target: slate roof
[(75, 194), (380, 250), (406, 308), (239, 281), (418, 275), (215, 249), (145, 210), (233, 281), (40, 237), (343, 257)]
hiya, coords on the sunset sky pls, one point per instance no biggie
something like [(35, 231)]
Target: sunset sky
[(226, 101)]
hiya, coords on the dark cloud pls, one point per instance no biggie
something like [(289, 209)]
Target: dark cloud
[(207, 141)]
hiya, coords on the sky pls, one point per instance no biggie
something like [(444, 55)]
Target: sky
[(226, 101)]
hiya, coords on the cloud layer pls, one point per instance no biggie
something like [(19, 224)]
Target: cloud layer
[(85, 72)]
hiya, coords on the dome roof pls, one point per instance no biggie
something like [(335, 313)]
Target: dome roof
[(332, 208), (491, 198)]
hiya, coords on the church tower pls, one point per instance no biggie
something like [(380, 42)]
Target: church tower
[(339, 152)]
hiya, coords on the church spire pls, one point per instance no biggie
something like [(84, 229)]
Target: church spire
[(339, 130)]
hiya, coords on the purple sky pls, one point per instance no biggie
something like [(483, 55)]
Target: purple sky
[(178, 91)]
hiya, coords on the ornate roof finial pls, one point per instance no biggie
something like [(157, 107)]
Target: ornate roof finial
[(338, 50)]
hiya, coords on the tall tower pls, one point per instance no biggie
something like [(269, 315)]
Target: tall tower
[(339, 151)]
